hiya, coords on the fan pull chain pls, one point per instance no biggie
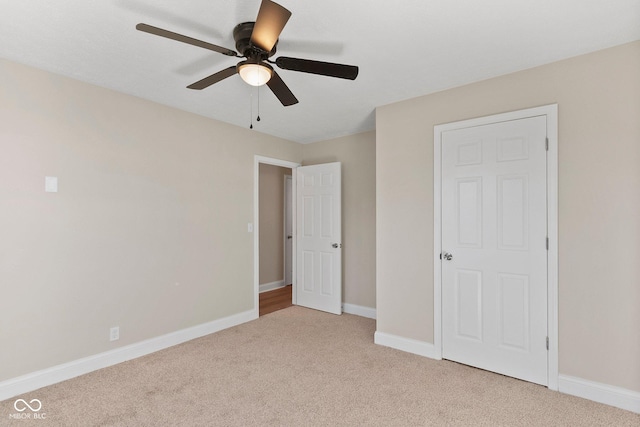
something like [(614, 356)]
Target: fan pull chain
[(251, 110), (258, 89)]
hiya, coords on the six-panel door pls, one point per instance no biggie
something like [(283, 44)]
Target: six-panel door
[(319, 243), (494, 287)]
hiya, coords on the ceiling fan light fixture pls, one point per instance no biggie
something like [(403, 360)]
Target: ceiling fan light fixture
[(255, 74)]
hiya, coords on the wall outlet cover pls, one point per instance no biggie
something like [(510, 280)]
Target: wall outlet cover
[(114, 333)]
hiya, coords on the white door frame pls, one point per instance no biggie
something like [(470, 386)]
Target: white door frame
[(551, 113), (288, 211), (257, 160)]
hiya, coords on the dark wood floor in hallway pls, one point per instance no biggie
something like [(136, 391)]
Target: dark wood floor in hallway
[(275, 300)]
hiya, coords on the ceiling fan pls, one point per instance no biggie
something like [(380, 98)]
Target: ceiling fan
[(256, 42)]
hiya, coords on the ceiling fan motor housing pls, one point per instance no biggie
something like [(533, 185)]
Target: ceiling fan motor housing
[(242, 36)]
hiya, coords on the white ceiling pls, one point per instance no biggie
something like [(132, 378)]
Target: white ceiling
[(403, 48)]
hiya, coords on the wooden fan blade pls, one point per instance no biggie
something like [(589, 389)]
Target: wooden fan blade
[(184, 39), (214, 78), (281, 90), (269, 24), (318, 67)]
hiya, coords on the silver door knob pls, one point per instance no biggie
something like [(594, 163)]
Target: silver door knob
[(336, 245), (447, 256)]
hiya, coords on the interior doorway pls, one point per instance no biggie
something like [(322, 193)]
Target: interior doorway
[(316, 235), (273, 234)]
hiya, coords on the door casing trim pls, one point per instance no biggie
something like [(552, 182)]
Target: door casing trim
[(551, 113), (284, 228)]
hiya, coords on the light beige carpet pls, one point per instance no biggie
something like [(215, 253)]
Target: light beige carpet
[(300, 367)]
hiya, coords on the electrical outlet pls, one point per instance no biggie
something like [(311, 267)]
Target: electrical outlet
[(114, 333)]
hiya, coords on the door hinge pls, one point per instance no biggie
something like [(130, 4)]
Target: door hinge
[(547, 243), (546, 144), (547, 343)]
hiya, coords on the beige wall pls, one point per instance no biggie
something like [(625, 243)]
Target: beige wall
[(357, 153), (598, 97), (271, 227), (147, 232)]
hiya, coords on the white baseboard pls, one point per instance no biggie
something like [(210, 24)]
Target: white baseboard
[(409, 345), (56, 374), (598, 392), (359, 310), (265, 287), (602, 393)]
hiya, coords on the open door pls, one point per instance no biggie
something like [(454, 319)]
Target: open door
[(319, 237)]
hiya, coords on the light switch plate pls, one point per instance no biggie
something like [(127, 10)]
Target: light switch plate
[(250, 227), (51, 184)]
